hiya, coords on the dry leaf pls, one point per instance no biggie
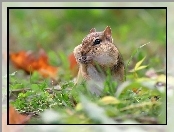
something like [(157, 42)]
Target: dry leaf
[(78, 107), (109, 100), (14, 118), (29, 62), (73, 64)]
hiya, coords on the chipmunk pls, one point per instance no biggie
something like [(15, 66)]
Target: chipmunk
[(97, 55)]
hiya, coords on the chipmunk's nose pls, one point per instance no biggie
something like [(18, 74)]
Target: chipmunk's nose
[(83, 57)]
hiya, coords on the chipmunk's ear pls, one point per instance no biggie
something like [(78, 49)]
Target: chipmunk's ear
[(92, 30), (108, 33)]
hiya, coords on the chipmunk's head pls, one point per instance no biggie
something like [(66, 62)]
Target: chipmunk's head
[(104, 35), (94, 39)]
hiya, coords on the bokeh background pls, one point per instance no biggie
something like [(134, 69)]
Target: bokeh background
[(57, 30)]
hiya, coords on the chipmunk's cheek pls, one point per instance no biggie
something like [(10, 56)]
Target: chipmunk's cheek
[(104, 60)]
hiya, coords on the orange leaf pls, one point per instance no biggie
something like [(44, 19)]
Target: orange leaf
[(14, 118), (73, 64), (48, 71), (29, 62)]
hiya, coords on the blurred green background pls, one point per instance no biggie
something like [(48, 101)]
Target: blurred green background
[(57, 30)]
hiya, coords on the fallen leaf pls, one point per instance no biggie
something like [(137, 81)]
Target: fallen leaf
[(109, 100), (73, 64), (78, 107), (136, 90), (14, 118), (161, 78), (30, 62)]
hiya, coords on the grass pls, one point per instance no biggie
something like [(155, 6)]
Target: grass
[(138, 99)]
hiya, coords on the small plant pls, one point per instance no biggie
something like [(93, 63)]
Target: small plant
[(137, 68)]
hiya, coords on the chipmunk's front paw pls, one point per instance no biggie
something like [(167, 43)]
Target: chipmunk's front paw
[(85, 59)]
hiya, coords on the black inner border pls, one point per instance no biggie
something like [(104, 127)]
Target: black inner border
[(8, 8)]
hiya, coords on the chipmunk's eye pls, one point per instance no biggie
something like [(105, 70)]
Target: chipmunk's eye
[(97, 41)]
